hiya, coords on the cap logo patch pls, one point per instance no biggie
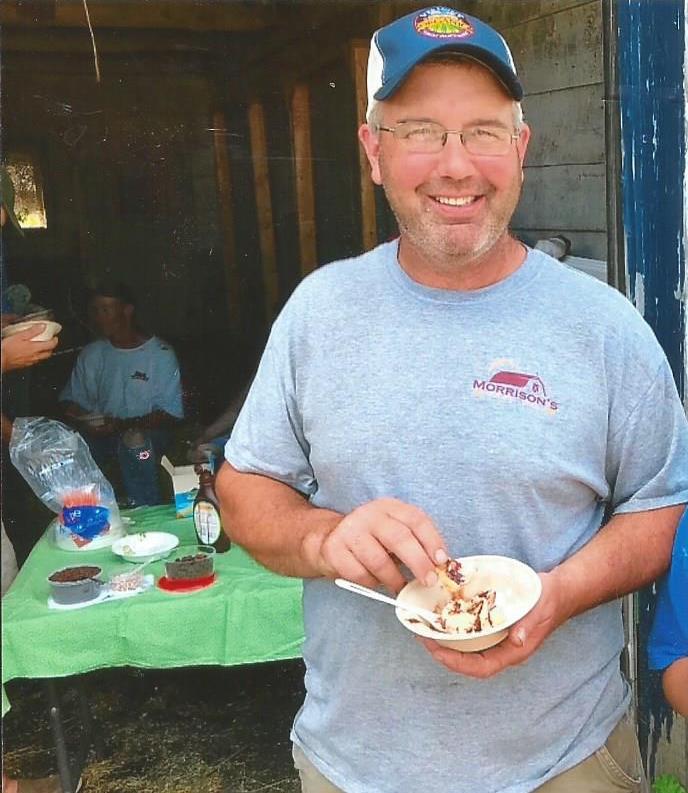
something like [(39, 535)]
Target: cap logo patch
[(440, 22)]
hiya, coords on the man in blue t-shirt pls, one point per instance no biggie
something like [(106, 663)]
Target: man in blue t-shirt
[(668, 646), (454, 393), (124, 393)]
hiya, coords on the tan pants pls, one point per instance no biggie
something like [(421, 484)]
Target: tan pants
[(614, 768)]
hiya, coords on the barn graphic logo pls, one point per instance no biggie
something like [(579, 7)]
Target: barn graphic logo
[(526, 388), (140, 376), (440, 22)]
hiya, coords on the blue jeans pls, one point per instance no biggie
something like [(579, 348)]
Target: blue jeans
[(138, 455)]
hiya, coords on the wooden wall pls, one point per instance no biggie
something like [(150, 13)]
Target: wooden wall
[(557, 46), (214, 188), (131, 191)]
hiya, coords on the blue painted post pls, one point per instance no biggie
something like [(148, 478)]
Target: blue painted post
[(651, 51), (651, 48)]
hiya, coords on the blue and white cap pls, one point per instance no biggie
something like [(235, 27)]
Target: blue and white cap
[(400, 46)]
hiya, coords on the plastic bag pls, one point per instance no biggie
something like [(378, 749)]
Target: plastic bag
[(57, 464)]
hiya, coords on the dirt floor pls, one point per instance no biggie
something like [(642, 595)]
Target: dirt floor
[(204, 730)]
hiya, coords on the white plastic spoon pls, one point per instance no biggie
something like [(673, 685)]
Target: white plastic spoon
[(427, 616), (138, 568)]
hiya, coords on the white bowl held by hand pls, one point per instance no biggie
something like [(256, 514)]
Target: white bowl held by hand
[(517, 587), (51, 329)]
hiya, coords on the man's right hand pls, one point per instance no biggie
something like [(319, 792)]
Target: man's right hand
[(369, 544), (20, 351)]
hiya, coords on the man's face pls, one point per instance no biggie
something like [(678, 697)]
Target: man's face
[(450, 205), (108, 315)]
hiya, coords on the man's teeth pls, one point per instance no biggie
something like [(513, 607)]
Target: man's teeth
[(455, 202)]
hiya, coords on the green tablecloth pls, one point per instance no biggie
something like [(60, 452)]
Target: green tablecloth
[(248, 615)]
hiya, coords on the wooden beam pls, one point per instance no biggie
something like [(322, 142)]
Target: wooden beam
[(235, 17), (303, 169), (224, 190), (303, 53), (386, 13), (266, 230), (116, 42), (359, 61)]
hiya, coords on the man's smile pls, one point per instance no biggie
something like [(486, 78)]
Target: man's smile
[(455, 201)]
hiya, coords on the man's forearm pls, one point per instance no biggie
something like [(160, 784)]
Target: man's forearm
[(626, 554), (274, 522)]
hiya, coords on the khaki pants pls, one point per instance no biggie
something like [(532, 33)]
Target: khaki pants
[(614, 768)]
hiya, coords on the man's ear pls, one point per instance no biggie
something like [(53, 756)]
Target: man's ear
[(522, 142), (371, 143)]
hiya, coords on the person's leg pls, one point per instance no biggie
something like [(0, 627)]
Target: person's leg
[(139, 466), (614, 768), (102, 449), (312, 781)]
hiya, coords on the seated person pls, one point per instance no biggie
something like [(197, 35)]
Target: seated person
[(668, 644), (124, 393)]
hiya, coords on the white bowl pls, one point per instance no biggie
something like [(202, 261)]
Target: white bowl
[(518, 589), (50, 330), (145, 545)]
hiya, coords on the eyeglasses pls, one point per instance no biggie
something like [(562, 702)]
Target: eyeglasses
[(427, 137)]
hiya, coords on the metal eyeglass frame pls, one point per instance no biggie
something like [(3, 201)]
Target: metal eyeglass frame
[(513, 137)]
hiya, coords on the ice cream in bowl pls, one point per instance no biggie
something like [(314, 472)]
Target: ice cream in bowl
[(476, 600)]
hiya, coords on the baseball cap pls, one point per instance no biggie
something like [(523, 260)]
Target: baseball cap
[(400, 46), (7, 197)]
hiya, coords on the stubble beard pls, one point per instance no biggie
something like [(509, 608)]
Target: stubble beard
[(445, 251)]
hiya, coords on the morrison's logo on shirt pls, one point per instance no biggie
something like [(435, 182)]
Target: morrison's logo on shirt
[(526, 388), (140, 376)]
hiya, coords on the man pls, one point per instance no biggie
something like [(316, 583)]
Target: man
[(124, 393), (436, 397)]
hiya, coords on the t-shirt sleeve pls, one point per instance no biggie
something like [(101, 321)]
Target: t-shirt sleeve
[(268, 436), (669, 635), (81, 386), (168, 386), (647, 461)]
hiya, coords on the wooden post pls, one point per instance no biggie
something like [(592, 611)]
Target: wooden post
[(84, 243), (224, 190), (266, 231), (386, 13), (303, 170), (359, 61)]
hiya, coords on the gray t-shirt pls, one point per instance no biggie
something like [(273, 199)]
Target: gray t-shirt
[(513, 415)]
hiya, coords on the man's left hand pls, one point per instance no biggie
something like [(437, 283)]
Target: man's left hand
[(21, 350), (523, 640)]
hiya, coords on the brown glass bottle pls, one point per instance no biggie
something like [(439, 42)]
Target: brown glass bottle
[(206, 513)]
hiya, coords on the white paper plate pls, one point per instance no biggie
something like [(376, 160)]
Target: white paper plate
[(145, 545)]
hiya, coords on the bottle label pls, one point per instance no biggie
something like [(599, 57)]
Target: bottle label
[(207, 522)]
